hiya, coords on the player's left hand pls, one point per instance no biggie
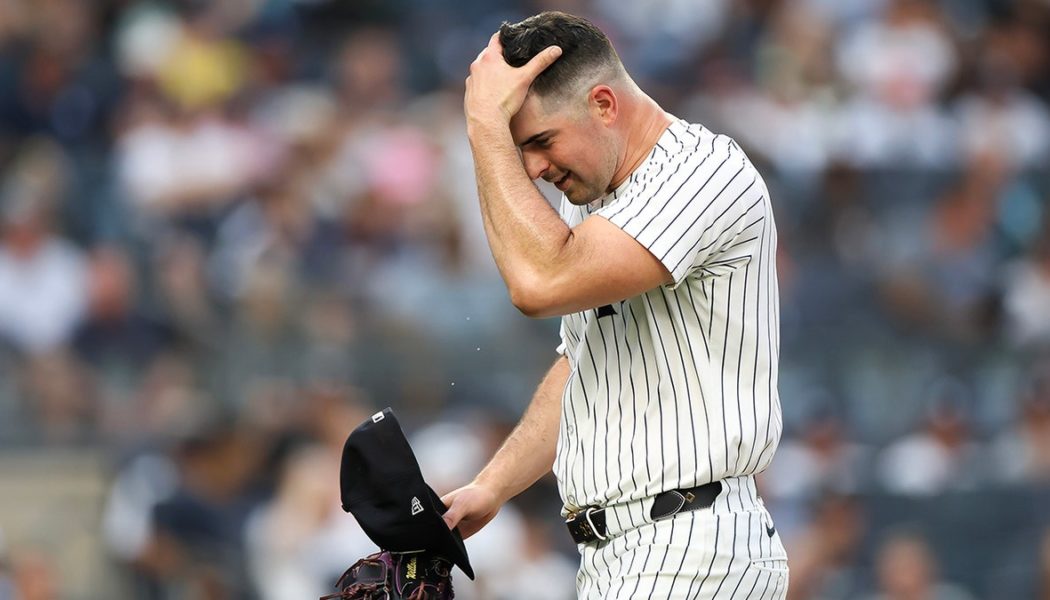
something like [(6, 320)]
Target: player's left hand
[(496, 90)]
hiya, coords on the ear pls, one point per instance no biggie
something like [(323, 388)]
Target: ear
[(603, 102)]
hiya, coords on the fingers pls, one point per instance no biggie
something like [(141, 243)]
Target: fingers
[(454, 514), (534, 67), (541, 61), (452, 517)]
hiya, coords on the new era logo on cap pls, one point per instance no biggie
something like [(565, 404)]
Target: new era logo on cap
[(417, 506)]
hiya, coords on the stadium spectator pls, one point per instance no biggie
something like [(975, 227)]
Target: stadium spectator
[(907, 570), (300, 542), (943, 455), (1027, 294), (1022, 451), (826, 555), (43, 277)]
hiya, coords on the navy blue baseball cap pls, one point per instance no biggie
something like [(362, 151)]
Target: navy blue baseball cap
[(381, 485)]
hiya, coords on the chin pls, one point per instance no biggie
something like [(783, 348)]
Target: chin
[(581, 198)]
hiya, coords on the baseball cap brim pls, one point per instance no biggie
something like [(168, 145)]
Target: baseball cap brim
[(382, 486)]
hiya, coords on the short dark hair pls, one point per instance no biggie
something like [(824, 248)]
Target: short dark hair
[(584, 48)]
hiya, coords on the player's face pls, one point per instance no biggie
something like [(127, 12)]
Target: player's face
[(566, 145)]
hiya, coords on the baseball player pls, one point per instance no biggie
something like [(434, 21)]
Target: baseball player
[(663, 404)]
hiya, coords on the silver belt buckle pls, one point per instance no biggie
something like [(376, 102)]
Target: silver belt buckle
[(590, 524)]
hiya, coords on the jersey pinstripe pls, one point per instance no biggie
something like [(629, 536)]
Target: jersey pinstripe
[(677, 387), (728, 552)]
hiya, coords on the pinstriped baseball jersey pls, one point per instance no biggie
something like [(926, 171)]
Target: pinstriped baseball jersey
[(677, 387)]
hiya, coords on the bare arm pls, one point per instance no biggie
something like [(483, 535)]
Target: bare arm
[(526, 455), (549, 268), (525, 234)]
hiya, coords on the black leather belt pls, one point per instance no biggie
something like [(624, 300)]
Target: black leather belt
[(589, 523)]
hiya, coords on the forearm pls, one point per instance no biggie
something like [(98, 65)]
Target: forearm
[(526, 235), (528, 452)]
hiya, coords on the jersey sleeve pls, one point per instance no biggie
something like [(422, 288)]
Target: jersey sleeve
[(692, 205), (562, 343)]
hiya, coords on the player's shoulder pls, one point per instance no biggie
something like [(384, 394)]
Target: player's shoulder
[(697, 142)]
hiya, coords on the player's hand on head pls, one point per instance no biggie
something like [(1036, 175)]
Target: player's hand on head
[(470, 508), (495, 90)]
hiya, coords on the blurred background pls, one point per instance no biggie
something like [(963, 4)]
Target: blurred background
[(229, 231)]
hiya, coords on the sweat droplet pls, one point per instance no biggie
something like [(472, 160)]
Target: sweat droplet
[(453, 383), (479, 349)]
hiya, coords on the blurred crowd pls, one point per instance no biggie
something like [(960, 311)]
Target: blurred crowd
[(229, 231)]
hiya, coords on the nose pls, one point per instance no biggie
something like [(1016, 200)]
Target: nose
[(535, 165)]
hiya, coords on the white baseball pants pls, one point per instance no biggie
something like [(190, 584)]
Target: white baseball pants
[(729, 551)]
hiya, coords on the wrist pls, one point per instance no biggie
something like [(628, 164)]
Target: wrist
[(493, 485)]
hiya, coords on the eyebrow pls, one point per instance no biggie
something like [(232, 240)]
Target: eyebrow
[(542, 134)]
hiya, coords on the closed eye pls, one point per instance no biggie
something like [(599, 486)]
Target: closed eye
[(540, 140)]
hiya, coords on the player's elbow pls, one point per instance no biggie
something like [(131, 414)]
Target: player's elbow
[(544, 288), (529, 302), (534, 299)]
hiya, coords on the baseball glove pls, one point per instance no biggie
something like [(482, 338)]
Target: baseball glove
[(396, 576)]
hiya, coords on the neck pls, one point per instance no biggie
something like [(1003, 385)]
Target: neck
[(648, 123)]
